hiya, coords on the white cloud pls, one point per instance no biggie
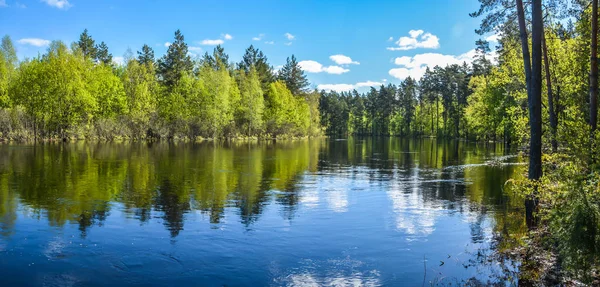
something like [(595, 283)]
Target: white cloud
[(269, 42), (3, 3), (20, 5), (288, 43), (417, 39), (416, 66), (347, 87), (210, 42), (342, 60), (289, 36), (391, 39), (227, 37), (368, 84), (259, 37), (167, 44), (119, 60), (195, 49), (493, 38), (337, 70), (316, 67), (34, 42), (60, 4)]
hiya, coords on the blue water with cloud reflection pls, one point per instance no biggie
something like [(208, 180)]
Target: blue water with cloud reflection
[(371, 212)]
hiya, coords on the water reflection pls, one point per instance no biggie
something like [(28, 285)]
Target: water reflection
[(358, 198)]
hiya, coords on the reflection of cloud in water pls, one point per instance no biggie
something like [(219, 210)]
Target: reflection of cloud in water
[(331, 188), (338, 280), (345, 272), (414, 215), (338, 199), (310, 197)]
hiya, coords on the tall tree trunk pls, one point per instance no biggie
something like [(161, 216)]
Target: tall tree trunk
[(551, 111), (535, 99), (594, 68)]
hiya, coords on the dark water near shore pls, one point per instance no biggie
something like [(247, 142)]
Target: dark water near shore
[(373, 212)]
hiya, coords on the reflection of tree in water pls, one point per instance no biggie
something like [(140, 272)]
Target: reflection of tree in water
[(173, 207), (95, 216), (77, 182)]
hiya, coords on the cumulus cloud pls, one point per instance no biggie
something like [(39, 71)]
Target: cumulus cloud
[(209, 42), (342, 60), (316, 67), (214, 42), (289, 36), (195, 49), (416, 66), (391, 39), (347, 87), (60, 4), (269, 42), (167, 44), (288, 43), (34, 42), (416, 39), (259, 37)]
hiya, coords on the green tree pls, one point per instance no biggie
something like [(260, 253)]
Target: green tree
[(255, 58), (87, 45), (102, 54), (175, 63), (293, 76), (146, 56), (249, 113)]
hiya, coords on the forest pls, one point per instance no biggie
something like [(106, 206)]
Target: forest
[(78, 92)]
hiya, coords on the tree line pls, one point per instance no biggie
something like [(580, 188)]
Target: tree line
[(79, 92)]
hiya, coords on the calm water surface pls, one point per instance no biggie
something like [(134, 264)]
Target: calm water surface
[(374, 212)]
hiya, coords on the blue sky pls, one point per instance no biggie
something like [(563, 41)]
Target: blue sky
[(385, 40)]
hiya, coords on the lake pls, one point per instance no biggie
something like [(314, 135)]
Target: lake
[(372, 212)]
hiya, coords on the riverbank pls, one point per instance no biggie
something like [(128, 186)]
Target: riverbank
[(563, 247)]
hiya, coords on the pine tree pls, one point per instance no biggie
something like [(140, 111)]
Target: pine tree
[(175, 62), (102, 54), (87, 45), (293, 76), (255, 58), (146, 56)]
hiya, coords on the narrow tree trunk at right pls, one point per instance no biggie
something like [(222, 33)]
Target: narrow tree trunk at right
[(551, 110), (594, 69)]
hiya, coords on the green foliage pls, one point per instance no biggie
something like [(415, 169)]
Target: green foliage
[(146, 56), (293, 76), (285, 113), (87, 45), (108, 92), (255, 58), (141, 91), (102, 54), (250, 111), (173, 65)]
